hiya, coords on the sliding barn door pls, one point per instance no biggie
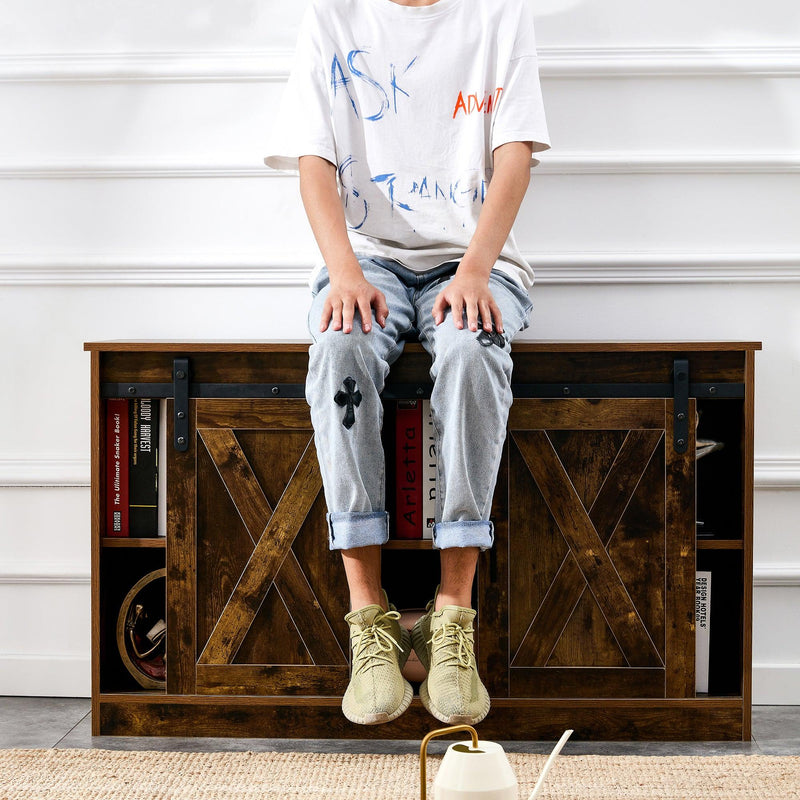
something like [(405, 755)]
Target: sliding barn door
[(600, 550), (263, 597)]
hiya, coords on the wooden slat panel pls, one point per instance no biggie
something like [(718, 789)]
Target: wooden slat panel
[(252, 505), (680, 562), (587, 682), (588, 550), (306, 613), (180, 559), (586, 414), (265, 561), (283, 680), (547, 626), (622, 480), (567, 587), (253, 413), (237, 475)]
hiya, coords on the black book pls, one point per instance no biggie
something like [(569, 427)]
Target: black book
[(143, 467)]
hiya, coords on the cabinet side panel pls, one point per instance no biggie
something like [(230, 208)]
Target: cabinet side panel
[(747, 482), (97, 448)]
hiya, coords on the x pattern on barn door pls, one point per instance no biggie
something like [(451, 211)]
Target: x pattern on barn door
[(593, 606), (264, 605)]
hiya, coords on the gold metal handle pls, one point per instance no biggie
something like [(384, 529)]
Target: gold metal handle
[(423, 752)]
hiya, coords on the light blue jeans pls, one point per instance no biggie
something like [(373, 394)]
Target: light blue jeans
[(471, 396)]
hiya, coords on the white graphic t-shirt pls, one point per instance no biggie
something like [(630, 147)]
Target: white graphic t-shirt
[(408, 103)]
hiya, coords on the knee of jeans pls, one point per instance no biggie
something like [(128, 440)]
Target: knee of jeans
[(474, 353), (354, 349)]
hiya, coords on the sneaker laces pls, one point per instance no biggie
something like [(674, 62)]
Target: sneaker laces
[(374, 644), (453, 638)]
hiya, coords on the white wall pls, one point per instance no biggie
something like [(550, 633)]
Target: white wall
[(136, 205)]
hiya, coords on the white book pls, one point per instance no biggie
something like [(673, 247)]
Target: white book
[(161, 467), (702, 617), (428, 471)]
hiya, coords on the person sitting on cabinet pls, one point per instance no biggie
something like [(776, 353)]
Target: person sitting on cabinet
[(412, 125)]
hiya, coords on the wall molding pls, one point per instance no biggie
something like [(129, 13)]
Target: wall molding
[(36, 572), (769, 473), (552, 163), (274, 65), (778, 574), (292, 270)]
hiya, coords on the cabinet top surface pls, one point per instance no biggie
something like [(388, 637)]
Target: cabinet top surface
[(301, 345)]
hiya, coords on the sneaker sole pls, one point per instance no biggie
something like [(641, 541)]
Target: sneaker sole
[(452, 719), (383, 717)]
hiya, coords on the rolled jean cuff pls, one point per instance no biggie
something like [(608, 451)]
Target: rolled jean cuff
[(466, 533), (348, 529)]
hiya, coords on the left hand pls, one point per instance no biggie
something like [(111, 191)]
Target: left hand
[(472, 293)]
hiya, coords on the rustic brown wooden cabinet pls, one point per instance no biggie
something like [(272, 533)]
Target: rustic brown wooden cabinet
[(585, 603)]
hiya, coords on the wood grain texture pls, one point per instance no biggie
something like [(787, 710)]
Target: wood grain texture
[(265, 561), (512, 719), (180, 558), (588, 550), (587, 414), (680, 561)]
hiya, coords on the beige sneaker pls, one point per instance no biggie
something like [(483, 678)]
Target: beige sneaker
[(453, 691), (377, 691)]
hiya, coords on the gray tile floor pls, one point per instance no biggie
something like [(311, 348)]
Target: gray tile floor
[(44, 722)]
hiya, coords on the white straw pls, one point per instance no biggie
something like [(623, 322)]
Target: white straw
[(549, 763)]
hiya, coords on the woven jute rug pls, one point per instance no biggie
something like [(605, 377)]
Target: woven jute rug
[(73, 774)]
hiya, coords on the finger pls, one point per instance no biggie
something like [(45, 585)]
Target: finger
[(336, 309), (496, 316), (365, 309), (347, 316), (327, 313), (439, 306), (457, 309), (486, 315), (381, 309), (472, 315)]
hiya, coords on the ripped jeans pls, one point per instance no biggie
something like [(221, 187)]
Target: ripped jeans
[(471, 371)]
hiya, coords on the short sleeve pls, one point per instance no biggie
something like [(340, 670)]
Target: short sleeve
[(303, 124), (520, 115)]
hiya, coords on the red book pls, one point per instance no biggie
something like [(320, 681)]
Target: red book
[(117, 467), (408, 469)]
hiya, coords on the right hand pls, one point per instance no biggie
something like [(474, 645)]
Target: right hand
[(348, 291)]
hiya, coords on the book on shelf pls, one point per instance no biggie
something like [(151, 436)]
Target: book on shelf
[(117, 467), (161, 458), (408, 469), (702, 616), (428, 471), (143, 466), (135, 500)]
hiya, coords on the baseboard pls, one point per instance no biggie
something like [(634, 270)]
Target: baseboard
[(776, 684), (48, 675)]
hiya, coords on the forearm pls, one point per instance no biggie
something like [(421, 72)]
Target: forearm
[(325, 214), (349, 289), (502, 202)]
